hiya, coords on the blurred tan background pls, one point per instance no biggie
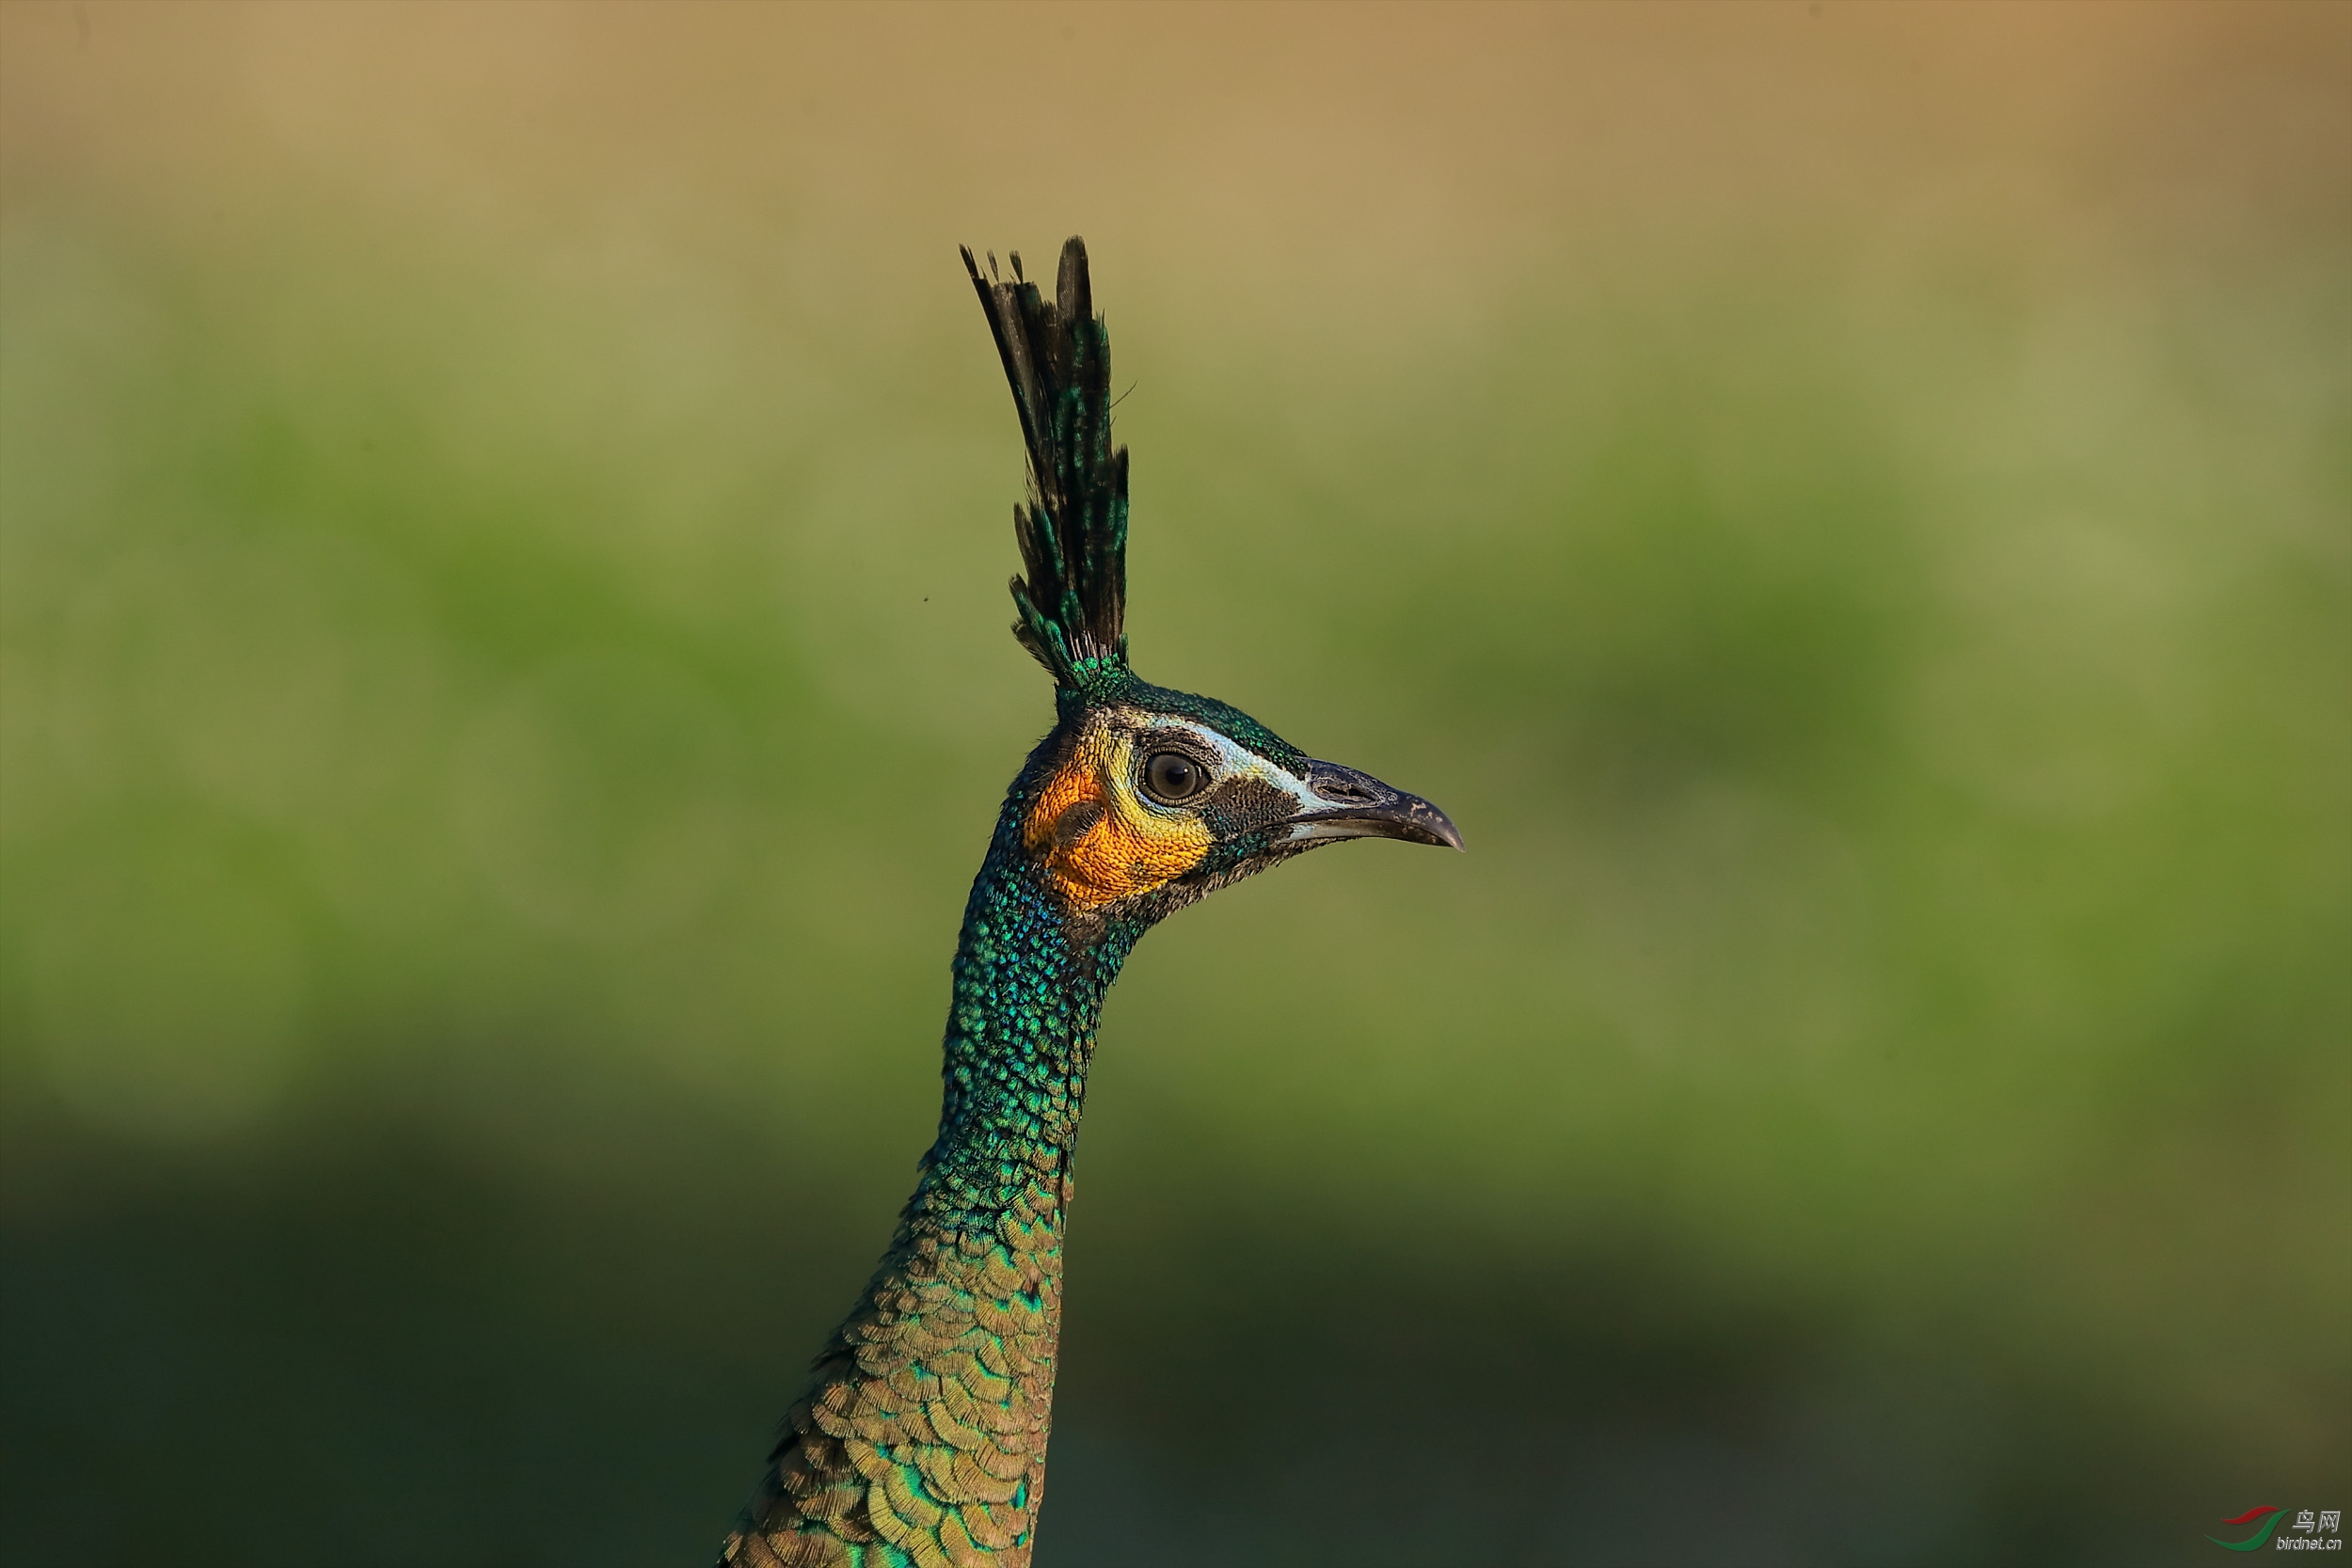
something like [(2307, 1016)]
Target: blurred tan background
[(506, 683)]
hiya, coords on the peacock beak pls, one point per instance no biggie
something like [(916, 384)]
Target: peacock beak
[(1340, 802)]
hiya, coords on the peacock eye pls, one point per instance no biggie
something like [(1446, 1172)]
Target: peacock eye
[(1171, 776)]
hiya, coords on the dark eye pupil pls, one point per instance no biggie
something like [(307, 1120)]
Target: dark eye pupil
[(1172, 775)]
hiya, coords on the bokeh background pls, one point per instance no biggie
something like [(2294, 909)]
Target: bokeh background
[(506, 683)]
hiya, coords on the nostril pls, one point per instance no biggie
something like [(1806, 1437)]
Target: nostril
[(1343, 789)]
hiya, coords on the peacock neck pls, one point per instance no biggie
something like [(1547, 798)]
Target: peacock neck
[(922, 1438), (1028, 990)]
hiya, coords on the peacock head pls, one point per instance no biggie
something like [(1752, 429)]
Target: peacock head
[(1142, 800)]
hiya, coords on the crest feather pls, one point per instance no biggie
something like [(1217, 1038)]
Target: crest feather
[(1071, 597)]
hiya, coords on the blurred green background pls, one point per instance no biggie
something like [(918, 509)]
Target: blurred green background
[(506, 684)]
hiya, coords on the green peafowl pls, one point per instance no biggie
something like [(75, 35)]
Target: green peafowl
[(921, 1440)]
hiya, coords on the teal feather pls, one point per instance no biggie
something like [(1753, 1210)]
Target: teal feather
[(1072, 599)]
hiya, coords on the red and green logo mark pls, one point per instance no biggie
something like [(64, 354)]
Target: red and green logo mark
[(2269, 1517)]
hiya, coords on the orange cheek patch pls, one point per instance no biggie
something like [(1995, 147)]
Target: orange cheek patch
[(1097, 845)]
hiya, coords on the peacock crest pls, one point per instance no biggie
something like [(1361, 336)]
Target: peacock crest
[(1072, 597)]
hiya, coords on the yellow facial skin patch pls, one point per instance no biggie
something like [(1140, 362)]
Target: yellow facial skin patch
[(1100, 843)]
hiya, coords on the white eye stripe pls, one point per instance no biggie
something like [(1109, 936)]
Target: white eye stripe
[(1233, 760), (1221, 756)]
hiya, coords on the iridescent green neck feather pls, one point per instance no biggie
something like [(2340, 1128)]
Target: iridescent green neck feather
[(922, 1440)]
